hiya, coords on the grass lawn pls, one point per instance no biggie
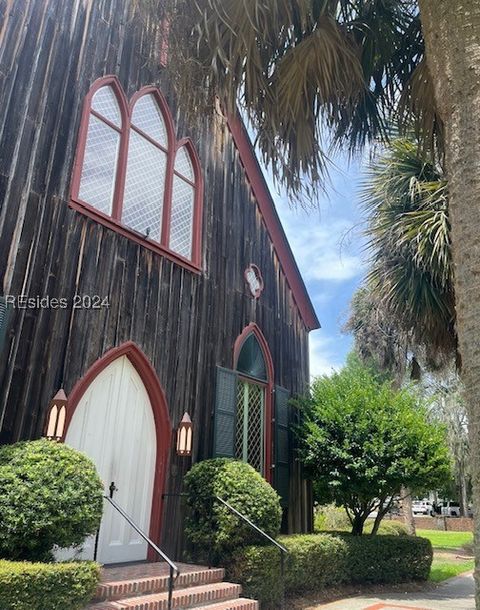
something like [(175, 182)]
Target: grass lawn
[(446, 540), (446, 563), (443, 568)]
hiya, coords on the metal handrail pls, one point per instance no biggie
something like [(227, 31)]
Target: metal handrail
[(283, 550), (174, 570)]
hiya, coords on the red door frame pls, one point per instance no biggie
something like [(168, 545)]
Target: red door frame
[(252, 328), (160, 413)]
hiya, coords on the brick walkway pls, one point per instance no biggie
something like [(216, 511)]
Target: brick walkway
[(382, 606), (453, 594)]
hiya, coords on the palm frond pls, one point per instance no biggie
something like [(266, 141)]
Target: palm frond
[(417, 107), (319, 79), (378, 339), (406, 202), (309, 74)]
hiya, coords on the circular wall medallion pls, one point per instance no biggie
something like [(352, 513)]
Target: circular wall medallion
[(254, 280)]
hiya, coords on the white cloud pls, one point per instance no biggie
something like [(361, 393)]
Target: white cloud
[(319, 264), (322, 250), (323, 357)]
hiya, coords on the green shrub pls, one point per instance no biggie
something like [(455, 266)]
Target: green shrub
[(313, 563), (257, 569), (388, 559), (47, 586), (331, 518), (316, 562), (389, 528), (213, 531), (50, 495)]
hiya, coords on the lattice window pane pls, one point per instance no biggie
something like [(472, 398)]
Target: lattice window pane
[(255, 427), (148, 117), (183, 164), (249, 432), (242, 413), (97, 182), (181, 223), (144, 187), (105, 103)]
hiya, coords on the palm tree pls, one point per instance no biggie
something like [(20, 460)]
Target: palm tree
[(452, 37), (410, 273), (378, 340), (407, 305), (305, 68)]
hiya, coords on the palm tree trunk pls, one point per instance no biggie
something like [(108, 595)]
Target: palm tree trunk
[(452, 38)]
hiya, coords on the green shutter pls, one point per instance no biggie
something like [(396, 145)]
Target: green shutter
[(225, 408), (3, 320), (282, 444)]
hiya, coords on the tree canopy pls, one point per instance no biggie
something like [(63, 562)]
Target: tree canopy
[(361, 440), (311, 75)]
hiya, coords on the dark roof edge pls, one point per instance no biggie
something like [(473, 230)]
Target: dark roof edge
[(272, 221)]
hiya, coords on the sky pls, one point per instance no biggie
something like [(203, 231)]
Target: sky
[(327, 245)]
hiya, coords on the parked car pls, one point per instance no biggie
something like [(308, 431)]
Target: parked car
[(422, 507), (449, 509)]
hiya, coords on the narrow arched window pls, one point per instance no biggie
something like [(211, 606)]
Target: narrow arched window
[(146, 169), (183, 204), (102, 145), (251, 397)]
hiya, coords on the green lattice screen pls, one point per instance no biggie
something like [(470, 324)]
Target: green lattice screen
[(249, 433)]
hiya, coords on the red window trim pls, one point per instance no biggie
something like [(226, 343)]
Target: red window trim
[(114, 221), (252, 328)]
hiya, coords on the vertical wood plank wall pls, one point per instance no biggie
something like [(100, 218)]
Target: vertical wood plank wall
[(51, 51)]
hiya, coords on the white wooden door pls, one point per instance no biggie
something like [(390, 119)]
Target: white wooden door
[(114, 425)]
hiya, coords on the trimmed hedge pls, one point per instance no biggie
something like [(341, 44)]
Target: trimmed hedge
[(318, 561), (50, 494), (47, 586), (388, 559), (212, 530)]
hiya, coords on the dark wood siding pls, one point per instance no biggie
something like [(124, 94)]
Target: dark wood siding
[(186, 324)]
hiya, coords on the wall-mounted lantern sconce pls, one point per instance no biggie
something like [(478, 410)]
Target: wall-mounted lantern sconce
[(56, 416), (184, 436)]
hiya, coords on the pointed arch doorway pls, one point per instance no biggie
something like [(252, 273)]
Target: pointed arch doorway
[(118, 416)]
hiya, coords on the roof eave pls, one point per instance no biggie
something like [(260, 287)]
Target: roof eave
[(272, 221)]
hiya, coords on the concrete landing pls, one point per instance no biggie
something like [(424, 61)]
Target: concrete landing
[(453, 594)]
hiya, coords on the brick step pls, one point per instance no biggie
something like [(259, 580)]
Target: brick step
[(191, 597), (117, 584), (242, 603)]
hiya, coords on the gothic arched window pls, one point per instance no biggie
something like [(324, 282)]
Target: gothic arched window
[(133, 176), (252, 392)]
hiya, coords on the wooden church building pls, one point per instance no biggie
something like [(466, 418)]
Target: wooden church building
[(144, 271)]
